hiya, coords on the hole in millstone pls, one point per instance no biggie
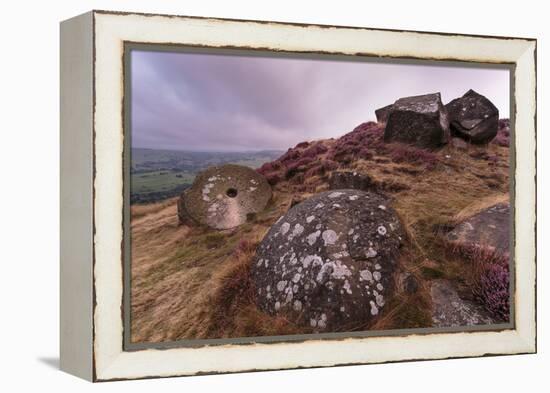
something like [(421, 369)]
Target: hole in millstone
[(231, 192)]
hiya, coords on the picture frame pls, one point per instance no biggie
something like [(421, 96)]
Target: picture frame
[(94, 324)]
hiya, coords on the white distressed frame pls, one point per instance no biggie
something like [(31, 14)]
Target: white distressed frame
[(111, 30)]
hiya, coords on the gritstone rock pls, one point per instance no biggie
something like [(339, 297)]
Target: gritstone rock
[(420, 120), (328, 262), (383, 113), (351, 180), (448, 309), (487, 229), (224, 196), (473, 117)]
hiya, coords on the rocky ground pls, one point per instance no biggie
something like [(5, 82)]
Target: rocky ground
[(194, 282)]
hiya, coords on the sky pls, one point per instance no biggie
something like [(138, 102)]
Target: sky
[(206, 102)]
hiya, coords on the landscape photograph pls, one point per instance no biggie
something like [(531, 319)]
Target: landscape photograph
[(290, 195)]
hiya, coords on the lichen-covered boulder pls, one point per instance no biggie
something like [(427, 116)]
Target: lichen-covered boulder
[(222, 197), (488, 229), (352, 180), (419, 120), (383, 113), (328, 262), (450, 310), (473, 117)]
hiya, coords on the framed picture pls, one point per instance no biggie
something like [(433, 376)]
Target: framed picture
[(245, 195)]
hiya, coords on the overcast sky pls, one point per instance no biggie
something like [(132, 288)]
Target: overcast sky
[(205, 102)]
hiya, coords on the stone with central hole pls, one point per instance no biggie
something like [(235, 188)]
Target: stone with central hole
[(224, 196)]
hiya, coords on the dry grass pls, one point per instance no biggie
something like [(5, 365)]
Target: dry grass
[(194, 283)]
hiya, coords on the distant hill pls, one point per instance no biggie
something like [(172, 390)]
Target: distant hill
[(160, 174)]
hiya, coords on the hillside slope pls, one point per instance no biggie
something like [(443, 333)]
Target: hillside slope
[(193, 282)]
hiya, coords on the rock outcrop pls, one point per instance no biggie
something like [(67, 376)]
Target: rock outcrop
[(328, 262), (350, 180), (489, 229), (449, 310), (473, 117), (419, 120), (222, 197)]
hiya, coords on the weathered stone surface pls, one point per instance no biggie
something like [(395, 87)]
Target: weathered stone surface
[(459, 144), (328, 262), (449, 310), (383, 113), (473, 117), (224, 196), (420, 120), (489, 228), (352, 180), (184, 218)]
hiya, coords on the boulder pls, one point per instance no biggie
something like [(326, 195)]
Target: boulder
[(184, 218), (383, 113), (420, 120), (222, 197), (473, 117), (328, 262), (351, 180), (449, 310), (489, 229)]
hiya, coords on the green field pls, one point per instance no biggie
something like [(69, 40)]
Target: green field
[(161, 174)]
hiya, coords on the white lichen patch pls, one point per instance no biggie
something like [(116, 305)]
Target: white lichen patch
[(336, 205), (382, 230), (350, 232), (298, 229), (319, 205), (297, 305), (335, 194), (339, 270), (347, 287), (309, 259), (353, 197), (285, 227), (382, 207), (373, 308), (377, 276), (313, 322), (251, 189), (365, 275), (296, 277), (312, 237), (379, 286), (330, 237), (277, 306), (281, 285), (377, 266), (371, 253), (309, 219), (379, 300)]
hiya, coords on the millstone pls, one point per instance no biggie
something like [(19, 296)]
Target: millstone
[(328, 262), (222, 197)]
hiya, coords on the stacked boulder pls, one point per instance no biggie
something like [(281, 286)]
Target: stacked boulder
[(425, 122), (420, 120), (473, 117)]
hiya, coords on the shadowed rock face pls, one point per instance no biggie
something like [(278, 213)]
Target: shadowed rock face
[(473, 117), (328, 262), (223, 196), (489, 228), (449, 310), (420, 120), (383, 113)]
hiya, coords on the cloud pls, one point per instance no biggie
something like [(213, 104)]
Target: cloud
[(204, 102)]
